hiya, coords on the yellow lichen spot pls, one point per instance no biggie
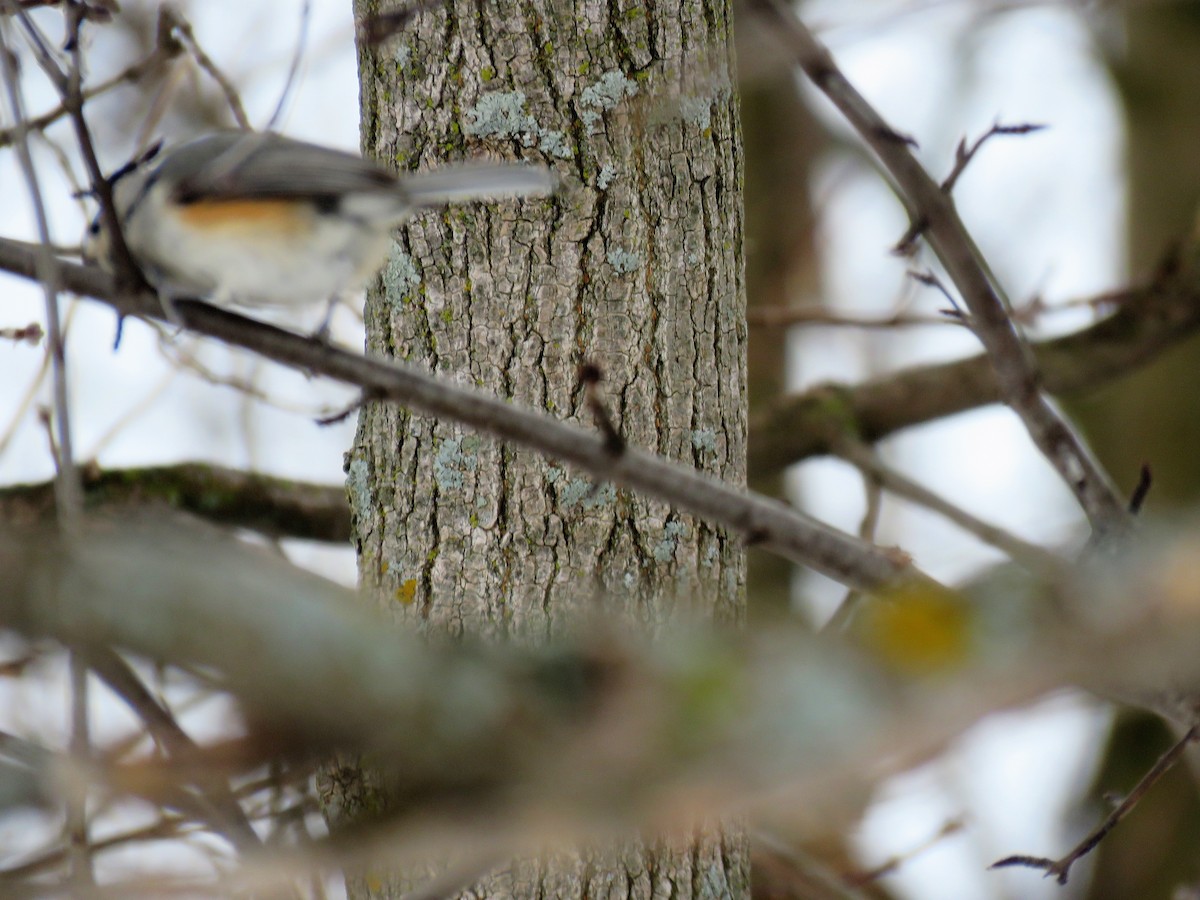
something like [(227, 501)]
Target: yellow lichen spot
[(919, 629), (407, 592)]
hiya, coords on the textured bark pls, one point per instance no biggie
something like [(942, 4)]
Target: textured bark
[(636, 265)]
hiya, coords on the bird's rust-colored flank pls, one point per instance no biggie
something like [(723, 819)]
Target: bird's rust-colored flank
[(245, 215)]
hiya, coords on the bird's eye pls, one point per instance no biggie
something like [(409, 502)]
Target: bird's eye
[(94, 228)]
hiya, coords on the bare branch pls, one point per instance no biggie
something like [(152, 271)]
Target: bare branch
[(151, 63), (1030, 555), (68, 493), (1148, 320), (962, 158), (223, 813), (1061, 868), (964, 154), (775, 316), (929, 205), (184, 29), (503, 725), (274, 507), (765, 521)]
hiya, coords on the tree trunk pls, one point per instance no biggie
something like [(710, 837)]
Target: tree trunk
[(1153, 416), (636, 265)]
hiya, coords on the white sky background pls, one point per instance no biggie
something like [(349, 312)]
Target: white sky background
[(1046, 209)]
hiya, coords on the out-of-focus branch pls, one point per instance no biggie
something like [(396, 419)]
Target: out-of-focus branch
[(761, 520), (275, 507), (153, 62), (221, 810), (594, 725), (67, 485), (1147, 321), (776, 316), (932, 211)]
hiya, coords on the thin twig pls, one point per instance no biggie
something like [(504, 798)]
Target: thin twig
[(184, 29), (1030, 555), (70, 91), (963, 155), (294, 69), (843, 614), (29, 397), (776, 316), (133, 72), (590, 377), (76, 791), (1141, 490), (893, 864), (224, 813), (954, 313), (831, 885), (167, 827), (68, 492), (931, 207), (1061, 868)]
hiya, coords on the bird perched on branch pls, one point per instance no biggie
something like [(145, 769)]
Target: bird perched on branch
[(257, 219)]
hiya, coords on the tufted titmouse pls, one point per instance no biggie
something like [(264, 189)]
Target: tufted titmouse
[(257, 219)]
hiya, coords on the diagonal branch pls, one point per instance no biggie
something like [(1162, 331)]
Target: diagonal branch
[(931, 208), (769, 523), (1061, 868)]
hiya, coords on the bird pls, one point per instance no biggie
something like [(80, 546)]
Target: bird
[(257, 219)]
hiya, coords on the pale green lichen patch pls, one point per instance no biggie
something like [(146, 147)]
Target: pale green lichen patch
[(583, 493), (401, 278), (608, 174), (358, 487), (696, 111), (500, 114), (623, 261), (664, 551), (610, 89), (503, 114), (704, 439), (455, 457)]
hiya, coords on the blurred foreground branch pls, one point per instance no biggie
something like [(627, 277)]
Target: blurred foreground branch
[(597, 730)]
